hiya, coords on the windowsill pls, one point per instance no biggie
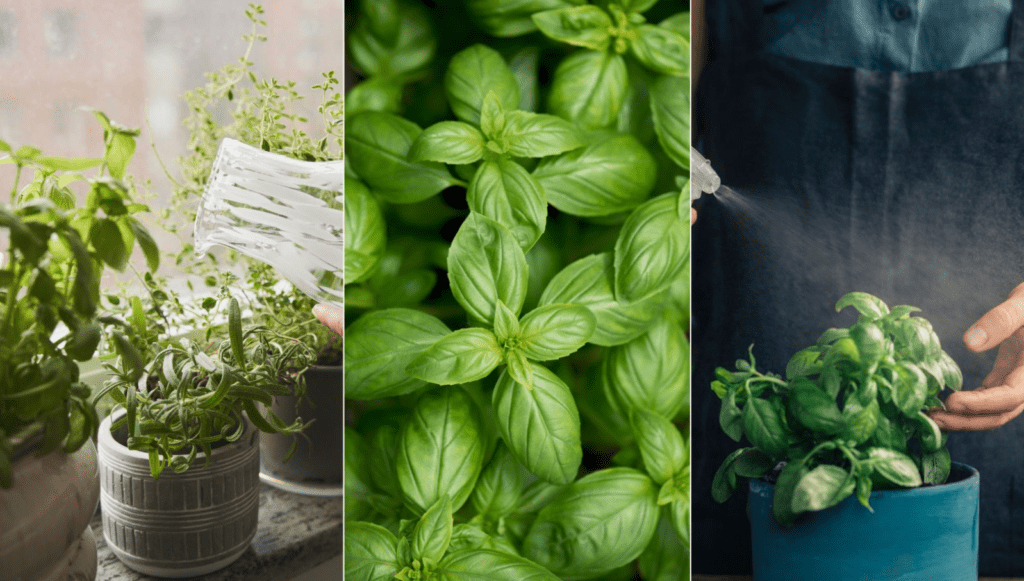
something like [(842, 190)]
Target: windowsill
[(295, 534)]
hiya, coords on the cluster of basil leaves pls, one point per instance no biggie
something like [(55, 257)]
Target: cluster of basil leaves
[(847, 418), (50, 291), (517, 299)]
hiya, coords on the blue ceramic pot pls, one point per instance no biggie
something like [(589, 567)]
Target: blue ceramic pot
[(922, 534)]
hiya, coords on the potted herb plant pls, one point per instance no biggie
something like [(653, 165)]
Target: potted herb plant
[(54, 257), (516, 356), (199, 414), (849, 478), (265, 112)]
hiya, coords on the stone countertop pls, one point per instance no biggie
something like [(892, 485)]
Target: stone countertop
[(295, 534)]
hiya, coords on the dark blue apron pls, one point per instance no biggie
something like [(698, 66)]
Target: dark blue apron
[(909, 186)]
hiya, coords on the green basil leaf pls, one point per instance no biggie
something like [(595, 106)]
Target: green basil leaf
[(433, 532), (489, 565), (641, 375), (365, 232), (952, 376), (492, 116), (730, 417), (555, 331), (374, 94), (377, 145), (507, 18), (506, 325), (814, 408), (461, 357), (120, 150), (382, 447), (662, 50), (498, 488), (935, 466), (753, 464), (652, 249), (803, 363), (785, 489), (587, 26), (895, 467), (451, 142), (81, 346), (916, 339), (85, 292), (537, 135), (589, 89), (670, 110), (762, 423), (379, 346), (470, 537), (579, 535), (540, 426), (589, 282), (928, 432), (146, 243), (485, 265), (666, 556), (371, 552), (910, 388), (441, 449), (888, 434), (821, 488), (471, 75), (661, 445), (613, 174), (404, 51), (860, 421), (868, 305), (519, 368), (106, 238), (637, 5), (506, 193)]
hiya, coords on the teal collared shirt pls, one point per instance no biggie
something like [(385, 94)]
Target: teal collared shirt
[(890, 35)]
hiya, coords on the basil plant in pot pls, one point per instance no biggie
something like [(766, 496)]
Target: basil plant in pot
[(179, 454), (266, 112), (517, 250), (54, 256), (848, 476)]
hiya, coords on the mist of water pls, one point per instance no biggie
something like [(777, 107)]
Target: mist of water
[(955, 268)]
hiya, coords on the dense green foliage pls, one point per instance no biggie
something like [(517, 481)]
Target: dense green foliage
[(181, 399), (50, 271), (517, 251), (847, 418)]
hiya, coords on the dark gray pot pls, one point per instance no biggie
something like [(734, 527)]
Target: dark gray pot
[(318, 467)]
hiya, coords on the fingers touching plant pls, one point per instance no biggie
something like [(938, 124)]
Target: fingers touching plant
[(848, 416)]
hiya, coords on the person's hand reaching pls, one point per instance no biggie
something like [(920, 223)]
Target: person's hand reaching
[(333, 317), (1001, 395)]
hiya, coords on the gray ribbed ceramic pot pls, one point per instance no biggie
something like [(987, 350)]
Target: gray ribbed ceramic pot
[(180, 525)]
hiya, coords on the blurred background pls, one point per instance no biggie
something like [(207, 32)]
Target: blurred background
[(134, 60)]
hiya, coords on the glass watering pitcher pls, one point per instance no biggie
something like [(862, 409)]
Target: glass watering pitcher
[(278, 210)]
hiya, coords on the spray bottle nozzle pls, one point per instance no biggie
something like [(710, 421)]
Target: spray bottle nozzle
[(703, 178)]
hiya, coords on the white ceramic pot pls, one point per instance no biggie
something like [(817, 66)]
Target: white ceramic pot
[(180, 525), (44, 518)]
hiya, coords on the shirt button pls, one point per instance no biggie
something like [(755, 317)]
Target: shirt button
[(900, 12)]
